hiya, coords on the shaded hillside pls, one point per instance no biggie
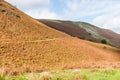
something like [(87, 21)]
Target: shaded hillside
[(112, 36), (85, 31), (27, 45)]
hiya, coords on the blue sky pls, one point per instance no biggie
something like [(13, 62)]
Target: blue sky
[(102, 13)]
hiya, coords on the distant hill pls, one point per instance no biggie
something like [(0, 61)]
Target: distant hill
[(27, 45), (85, 31)]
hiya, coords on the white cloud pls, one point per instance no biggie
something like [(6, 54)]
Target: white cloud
[(83, 8), (28, 4), (105, 13), (39, 9), (109, 22), (42, 14)]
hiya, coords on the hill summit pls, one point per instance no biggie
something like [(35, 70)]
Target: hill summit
[(85, 31), (16, 25)]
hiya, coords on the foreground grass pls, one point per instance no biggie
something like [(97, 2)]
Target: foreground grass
[(74, 74)]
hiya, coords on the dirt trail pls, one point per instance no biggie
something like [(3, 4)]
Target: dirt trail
[(44, 40)]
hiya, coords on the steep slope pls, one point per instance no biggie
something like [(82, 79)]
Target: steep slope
[(16, 25), (85, 31), (27, 45)]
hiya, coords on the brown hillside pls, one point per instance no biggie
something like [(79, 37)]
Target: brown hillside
[(62, 53), (69, 28), (112, 36), (29, 46), (14, 24), (84, 30)]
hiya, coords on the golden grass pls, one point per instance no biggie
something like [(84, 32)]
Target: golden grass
[(20, 57), (27, 46), (23, 27)]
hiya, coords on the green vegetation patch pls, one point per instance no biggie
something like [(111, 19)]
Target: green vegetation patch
[(74, 74)]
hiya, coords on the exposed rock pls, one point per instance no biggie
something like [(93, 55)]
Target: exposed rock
[(17, 16), (4, 11), (1, 4), (8, 13)]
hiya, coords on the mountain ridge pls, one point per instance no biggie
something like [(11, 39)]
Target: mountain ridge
[(79, 29)]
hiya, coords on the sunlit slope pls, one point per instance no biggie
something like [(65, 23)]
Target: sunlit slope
[(29, 46), (57, 53), (16, 25)]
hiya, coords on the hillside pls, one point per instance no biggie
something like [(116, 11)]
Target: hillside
[(62, 53), (85, 31), (15, 25), (27, 45)]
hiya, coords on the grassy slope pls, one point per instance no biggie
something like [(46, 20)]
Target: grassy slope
[(22, 27), (61, 53), (29, 46), (72, 74)]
